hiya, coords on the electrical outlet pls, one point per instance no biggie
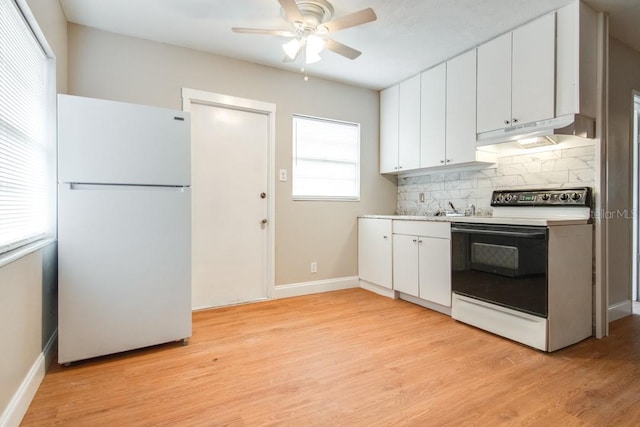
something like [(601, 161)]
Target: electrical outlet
[(314, 267), (283, 175)]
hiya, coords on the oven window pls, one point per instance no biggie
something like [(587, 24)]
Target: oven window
[(501, 265)]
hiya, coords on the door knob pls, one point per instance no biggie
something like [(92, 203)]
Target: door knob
[(264, 221), (263, 195)]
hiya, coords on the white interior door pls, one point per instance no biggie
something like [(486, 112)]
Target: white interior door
[(230, 155)]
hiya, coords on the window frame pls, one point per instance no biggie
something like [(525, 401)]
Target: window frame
[(356, 197), (18, 248)]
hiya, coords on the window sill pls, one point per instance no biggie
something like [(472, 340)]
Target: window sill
[(325, 199), (22, 251)]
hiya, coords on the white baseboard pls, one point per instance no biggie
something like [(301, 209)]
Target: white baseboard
[(620, 310), (19, 403), (385, 292), (308, 288)]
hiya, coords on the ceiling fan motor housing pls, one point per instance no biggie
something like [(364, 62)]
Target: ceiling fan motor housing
[(314, 12)]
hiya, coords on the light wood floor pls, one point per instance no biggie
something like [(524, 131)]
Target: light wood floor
[(347, 358)]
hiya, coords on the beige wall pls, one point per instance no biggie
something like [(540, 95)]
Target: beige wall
[(624, 77), (110, 66), (20, 322), (53, 24)]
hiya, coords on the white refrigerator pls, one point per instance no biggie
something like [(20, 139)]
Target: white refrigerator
[(124, 227)]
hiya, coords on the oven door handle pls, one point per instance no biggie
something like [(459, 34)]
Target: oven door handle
[(502, 233)]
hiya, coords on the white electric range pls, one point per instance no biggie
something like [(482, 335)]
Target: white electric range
[(526, 272)]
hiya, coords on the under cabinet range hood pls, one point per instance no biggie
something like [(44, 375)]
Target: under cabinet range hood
[(536, 134)]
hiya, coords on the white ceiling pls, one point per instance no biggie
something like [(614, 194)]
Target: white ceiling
[(408, 37)]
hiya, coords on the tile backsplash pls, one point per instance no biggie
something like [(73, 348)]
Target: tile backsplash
[(569, 167)]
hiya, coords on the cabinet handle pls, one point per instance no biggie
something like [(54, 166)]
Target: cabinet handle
[(506, 122), (415, 240), (515, 120), (419, 241), (441, 161), (448, 160), (384, 237)]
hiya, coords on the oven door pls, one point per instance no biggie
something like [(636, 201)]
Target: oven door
[(501, 264)]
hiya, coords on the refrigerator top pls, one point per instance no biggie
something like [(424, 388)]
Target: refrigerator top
[(110, 142)]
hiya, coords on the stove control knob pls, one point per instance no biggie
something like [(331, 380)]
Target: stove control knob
[(545, 196), (564, 197), (509, 197), (576, 196), (500, 198)]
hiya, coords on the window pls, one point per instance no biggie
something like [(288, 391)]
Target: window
[(24, 95), (326, 159)]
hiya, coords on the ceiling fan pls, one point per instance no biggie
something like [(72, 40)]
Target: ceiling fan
[(312, 23)]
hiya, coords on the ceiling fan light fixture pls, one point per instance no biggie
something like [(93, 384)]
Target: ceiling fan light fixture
[(313, 47), (292, 47), (314, 44), (311, 57)]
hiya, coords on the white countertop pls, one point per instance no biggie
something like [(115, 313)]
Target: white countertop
[(486, 220)]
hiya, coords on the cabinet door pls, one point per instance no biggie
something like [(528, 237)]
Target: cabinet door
[(374, 251), (533, 71), (389, 99), (461, 109), (405, 264), (433, 101), (409, 125), (494, 84), (435, 270)]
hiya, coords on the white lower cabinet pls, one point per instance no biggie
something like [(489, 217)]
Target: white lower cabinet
[(374, 251), (405, 264), (422, 260), (435, 270)]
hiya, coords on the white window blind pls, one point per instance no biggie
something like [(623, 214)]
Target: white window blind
[(326, 159), (23, 106)]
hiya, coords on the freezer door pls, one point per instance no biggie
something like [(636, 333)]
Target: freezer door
[(124, 268), (111, 142)]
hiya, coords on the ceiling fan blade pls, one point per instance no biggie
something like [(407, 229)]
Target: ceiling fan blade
[(261, 31), (342, 49), (291, 10), (351, 20)]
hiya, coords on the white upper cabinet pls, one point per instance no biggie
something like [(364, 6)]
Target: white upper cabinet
[(400, 127), (577, 60), (433, 101), (448, 116), (461, 109), (389, 100), (494, 84), (533, 71), (409, 125), (516, 76)]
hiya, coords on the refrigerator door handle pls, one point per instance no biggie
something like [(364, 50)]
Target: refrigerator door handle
[(124, 187)]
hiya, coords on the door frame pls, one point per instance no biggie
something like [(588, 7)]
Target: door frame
[(196, 96), (635, 144)]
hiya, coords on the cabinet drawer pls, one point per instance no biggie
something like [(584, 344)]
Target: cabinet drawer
[(422, 228)]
